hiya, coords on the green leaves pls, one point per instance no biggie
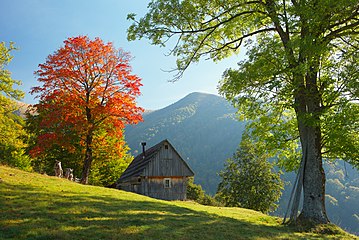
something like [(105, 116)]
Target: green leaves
[(12, 134), (209, 29), (297, 82), (249, 181), (6, 82), (340, 133)]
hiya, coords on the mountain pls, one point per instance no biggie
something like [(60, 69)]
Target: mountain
[(203, 129), (21, 109)]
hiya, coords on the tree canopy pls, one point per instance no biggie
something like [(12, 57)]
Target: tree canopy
[(298, 83), (87, 97), (6, 81), (11, 125)]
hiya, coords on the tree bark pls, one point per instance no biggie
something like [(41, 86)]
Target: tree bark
[(88, 159), (88, 153), (308, 116), (314, 178)]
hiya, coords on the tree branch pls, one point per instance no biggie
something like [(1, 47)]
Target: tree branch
[(230, 9), (214, 26), (193, 55), (240, 40), (338, 33)]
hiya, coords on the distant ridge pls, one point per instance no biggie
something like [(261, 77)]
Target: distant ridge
[(204, 130), (22, 107), (201, 126)]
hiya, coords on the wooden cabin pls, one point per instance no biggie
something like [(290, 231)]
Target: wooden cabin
[(158, 172)]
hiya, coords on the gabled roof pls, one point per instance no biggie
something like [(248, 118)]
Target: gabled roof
[(139, 163)]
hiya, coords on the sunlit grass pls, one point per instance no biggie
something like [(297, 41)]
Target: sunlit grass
[(34, 206)]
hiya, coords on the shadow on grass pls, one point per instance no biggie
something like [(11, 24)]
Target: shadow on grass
[(28, 212)]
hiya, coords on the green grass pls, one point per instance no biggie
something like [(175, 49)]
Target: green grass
[(34, 206)]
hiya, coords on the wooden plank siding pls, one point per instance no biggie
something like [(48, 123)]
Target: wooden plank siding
[(167, 162), (155, 187), (149, 171)]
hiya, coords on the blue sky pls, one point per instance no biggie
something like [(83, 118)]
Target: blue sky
[(39, 27)]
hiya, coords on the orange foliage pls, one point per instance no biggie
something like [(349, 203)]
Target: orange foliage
[(87, 85)]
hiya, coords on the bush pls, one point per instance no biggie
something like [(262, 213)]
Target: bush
[(15, 157), (194, 191), (197, 194), (12, 135)]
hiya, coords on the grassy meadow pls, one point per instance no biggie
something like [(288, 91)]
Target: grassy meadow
[(34, 206)]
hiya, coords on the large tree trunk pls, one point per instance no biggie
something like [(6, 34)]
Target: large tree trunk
[(308, 110), (313, 179)]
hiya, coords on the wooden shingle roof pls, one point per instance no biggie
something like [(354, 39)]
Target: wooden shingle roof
[(139, 163)]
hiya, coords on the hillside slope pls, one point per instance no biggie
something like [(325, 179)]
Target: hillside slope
[(202, 127), (34, 206)]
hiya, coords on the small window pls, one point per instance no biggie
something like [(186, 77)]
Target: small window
[(166, 146), (167, 182)]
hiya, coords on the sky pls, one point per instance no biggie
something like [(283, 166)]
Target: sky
[(39, 27)]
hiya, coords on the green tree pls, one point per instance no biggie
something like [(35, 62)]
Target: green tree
[(297, 84), (249, 180), (6, 82), (196, 193), (110, 160), (12, 133)]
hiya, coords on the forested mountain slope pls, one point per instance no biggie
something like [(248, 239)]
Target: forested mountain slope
[(204, 130), (200, 126)]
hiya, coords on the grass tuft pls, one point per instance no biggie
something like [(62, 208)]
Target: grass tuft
[(34, 206)]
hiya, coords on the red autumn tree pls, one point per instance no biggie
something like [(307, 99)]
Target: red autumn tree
[(87, 88)]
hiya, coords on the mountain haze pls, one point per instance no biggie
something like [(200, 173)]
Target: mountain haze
[(203, 129)]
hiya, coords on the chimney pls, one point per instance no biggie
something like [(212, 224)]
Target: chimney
[(143, 149)]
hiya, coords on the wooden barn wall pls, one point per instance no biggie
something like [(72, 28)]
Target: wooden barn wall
[(167, 163), (155, 187), (131, 187)]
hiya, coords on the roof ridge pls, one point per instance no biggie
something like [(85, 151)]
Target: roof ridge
[(140, 162)]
